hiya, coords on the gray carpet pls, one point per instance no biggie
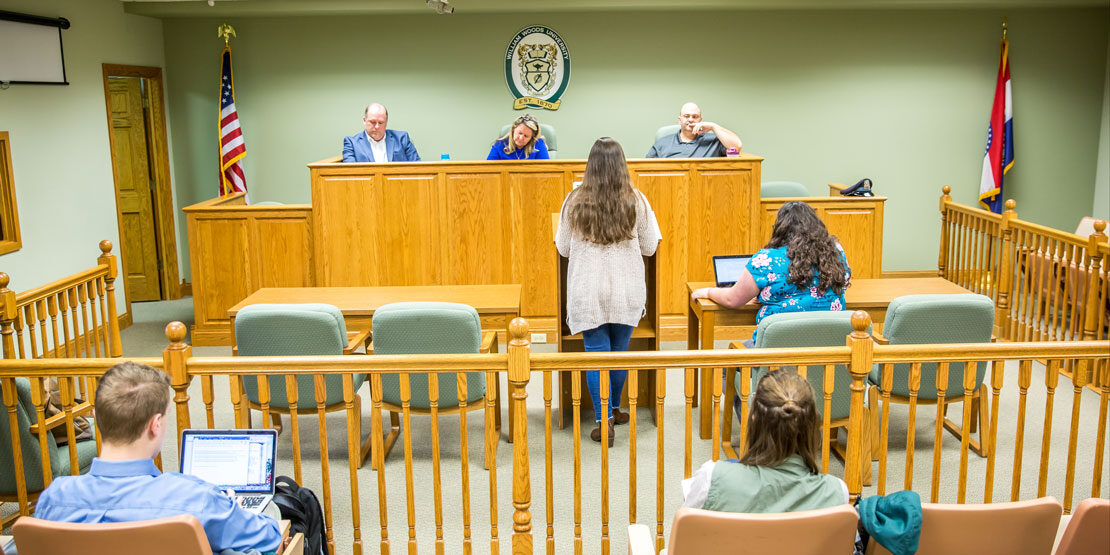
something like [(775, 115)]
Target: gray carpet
[(145, 338)]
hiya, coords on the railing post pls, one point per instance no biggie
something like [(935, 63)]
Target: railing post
[(519, 373), (1094, 258), (862, 355), (1005, 273), (174, 359), (106, 257), (942, 258)]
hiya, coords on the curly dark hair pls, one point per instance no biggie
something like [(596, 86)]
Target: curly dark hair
[(810, 247)]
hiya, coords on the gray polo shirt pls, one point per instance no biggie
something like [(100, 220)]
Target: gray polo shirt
[(705, 145)]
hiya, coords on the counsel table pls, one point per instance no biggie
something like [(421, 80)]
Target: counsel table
[(871, 295), (497, 305)]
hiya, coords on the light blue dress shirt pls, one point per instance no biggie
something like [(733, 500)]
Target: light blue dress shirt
[(126, 491)]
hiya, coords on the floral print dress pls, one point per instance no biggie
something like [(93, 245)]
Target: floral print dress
[(770, 268)]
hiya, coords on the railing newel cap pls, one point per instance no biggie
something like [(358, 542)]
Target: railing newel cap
[(106, 246)]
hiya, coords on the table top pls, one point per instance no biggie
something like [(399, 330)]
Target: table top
[(363, 301), (862, 294)]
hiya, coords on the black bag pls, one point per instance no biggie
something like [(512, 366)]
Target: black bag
[(862, 188), (302, 509)]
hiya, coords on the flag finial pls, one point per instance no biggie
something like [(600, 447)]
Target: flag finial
[(1003, 28), (226, 31)]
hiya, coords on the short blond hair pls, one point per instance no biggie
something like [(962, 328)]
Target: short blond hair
[(128, 395)]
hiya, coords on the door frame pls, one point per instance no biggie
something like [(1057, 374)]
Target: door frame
[(162, 201)]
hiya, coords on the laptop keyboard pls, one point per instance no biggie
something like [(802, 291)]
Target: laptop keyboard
[(250, 502)]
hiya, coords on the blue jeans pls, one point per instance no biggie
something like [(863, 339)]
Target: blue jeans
[(606, 337)]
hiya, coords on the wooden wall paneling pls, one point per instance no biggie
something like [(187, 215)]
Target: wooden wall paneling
[(476, 228), (410, 247), (724, 208), (668, 192), (282, 245), (534, 196), (346, 215), (222, 267)]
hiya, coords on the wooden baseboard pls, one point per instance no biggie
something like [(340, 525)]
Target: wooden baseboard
[(125, 320), (910, 274), (186, 289)]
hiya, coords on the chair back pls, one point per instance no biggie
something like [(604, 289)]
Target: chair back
[(927, 319), (696, 531), (1089, 529), (428, 328), (780, 189), (547, 133), (30, 450), (1019, 528), (811, 329), (44, 537), (292, 330), (666, 130)]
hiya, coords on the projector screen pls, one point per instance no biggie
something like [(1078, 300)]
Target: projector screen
[(31, 49)]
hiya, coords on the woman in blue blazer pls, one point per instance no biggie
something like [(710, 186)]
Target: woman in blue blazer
[(522, 142)]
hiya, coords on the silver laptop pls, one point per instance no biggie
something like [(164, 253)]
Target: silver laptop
[(728, 269), (238, 461)]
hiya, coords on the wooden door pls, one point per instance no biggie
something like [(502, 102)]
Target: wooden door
[(134, 183)]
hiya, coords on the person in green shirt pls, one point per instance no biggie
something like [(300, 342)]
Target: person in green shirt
[(778, 473)]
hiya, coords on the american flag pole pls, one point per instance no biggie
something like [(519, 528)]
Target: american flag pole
[(232, 147)]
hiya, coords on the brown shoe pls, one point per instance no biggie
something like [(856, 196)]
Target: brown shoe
[(620, 417), (595, 434)]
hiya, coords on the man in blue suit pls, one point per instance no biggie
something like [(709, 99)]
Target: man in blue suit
[(376, 143)]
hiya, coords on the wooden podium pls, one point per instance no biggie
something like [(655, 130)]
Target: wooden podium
[(645, 337)]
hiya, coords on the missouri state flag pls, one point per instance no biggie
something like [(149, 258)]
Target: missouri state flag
[(232, 147), (999, 158)]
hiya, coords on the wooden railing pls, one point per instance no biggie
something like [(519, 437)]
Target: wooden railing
[(1048, 285), (67, 320), (1012, 363)]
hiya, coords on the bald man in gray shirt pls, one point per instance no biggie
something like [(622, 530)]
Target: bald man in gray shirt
[(695, 138)]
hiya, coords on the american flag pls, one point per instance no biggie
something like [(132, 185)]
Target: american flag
[(232, 147)]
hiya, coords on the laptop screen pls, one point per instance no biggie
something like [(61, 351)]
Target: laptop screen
[(728, 269), (241, 460)]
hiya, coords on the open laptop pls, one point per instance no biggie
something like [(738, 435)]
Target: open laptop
[(727, 269), (238, 460)]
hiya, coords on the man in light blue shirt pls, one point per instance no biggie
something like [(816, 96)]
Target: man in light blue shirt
[(132, 414)]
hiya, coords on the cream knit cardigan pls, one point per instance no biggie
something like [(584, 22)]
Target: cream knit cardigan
[(605, 283)]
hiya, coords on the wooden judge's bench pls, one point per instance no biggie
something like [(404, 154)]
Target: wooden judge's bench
[(457, 223)]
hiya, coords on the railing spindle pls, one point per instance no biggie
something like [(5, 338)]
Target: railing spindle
[(1025, 376), (998, 371), (1051, 377)]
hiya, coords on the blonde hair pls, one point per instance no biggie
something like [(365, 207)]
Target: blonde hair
[(603, 209), (529, 121), (128, 395), (782, 421)]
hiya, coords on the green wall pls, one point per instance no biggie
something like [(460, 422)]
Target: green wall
[(1101, 208), (899, 96), (61, 159)]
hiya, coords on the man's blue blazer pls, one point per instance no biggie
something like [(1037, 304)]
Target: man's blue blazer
[(356, 148)]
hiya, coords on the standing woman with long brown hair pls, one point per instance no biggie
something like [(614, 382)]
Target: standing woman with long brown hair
[(606, 227)]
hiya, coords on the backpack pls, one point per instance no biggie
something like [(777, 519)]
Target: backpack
[(301, 507)]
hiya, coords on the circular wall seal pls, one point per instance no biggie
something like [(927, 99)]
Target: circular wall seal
[(537, 68)]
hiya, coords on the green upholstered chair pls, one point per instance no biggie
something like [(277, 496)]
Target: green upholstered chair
[(780, 189), (31, 452), (803, 329), (930, 319), (436, 328), (666, 130), (547, 133), (297, 330)]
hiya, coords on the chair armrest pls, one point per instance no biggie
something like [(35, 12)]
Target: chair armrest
[(878, 337), (295, 546), (80, 409), (489, 342), (737, 345), (356, 339), (640, 540)]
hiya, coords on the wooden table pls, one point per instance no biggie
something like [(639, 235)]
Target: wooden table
[(497, 305), (871, 295)]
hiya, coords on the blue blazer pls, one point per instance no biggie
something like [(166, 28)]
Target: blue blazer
[(399, 148)]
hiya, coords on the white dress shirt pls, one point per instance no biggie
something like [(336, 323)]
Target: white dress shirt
[(378, 149)]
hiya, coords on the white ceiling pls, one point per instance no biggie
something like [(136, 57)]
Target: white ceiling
[(223, 8)]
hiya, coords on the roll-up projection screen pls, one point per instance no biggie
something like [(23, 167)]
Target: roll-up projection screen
[(31, 49)]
